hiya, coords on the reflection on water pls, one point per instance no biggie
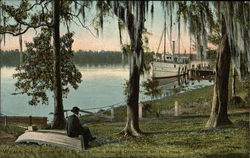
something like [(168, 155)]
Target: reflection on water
[(7, 72), (171, 86), (101, 85), (102, 72)]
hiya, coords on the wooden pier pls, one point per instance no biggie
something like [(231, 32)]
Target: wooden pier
[(201, 73), (23, 119)]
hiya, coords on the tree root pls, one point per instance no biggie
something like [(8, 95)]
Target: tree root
[(130, 132), (215, 122)]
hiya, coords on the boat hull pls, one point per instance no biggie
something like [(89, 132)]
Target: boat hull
[(165, 70)]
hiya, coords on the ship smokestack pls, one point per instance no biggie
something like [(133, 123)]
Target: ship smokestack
[(173, 47)]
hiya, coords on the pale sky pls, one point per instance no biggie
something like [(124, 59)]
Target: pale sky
[(84, 40)]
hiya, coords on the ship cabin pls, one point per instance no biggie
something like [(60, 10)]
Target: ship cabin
[(169, 58), (177, 58)]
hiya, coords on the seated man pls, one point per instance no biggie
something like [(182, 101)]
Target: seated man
[(74, 127)]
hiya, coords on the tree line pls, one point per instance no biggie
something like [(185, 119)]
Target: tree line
[(11, 58)]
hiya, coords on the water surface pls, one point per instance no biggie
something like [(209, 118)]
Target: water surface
[(101, 85)]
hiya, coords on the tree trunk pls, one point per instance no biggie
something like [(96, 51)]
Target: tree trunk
[(219, 116), (58, 121), (132, 125), (135, 26), (20, 48)]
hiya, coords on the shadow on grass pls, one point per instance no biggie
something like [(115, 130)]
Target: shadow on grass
[(104, 140), (238, 124), (93, 144), (229, 155), (188, 117)]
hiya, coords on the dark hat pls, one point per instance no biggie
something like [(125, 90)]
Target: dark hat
[(75, 109)]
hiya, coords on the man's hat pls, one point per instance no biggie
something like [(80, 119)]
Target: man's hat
[(75, 109)]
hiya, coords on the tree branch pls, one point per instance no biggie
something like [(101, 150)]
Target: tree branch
[(79, 20), (24, 31)]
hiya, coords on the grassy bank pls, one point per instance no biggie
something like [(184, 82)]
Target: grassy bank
[(193, 103), (165, 138), (165, 135), (165, 107)]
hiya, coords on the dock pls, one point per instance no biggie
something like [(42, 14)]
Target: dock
[(201, 73), (24, 119)]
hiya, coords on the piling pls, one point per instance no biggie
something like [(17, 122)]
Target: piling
[(140, 110), (112, 113), (176, 108), (5, 121), (30, 120)]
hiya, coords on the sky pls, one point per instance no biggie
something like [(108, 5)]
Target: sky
[(109, 41)]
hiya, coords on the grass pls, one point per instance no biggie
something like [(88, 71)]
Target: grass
[(16, 129), (195, 102), (165, 138), (186, 100), (12, 129)]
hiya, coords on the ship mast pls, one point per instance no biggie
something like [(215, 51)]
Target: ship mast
[(190, 47), (165, 29), (179, 34), (173, 49), (170, 30)]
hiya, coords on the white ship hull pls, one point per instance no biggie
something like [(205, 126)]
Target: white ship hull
[(164, 70)]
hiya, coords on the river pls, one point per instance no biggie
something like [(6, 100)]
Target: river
[(101, 85)]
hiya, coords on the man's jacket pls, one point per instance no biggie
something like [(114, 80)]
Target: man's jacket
[(73, 126)]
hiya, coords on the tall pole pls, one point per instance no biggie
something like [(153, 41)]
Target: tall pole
[(165, 29), (170, 30), (0, 80), (179, 34), (190, 47), (2, 36), (173, 49)]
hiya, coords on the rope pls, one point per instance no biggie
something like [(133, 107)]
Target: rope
[(165, 29), (101, 113), (112, 105), (160, 41)]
